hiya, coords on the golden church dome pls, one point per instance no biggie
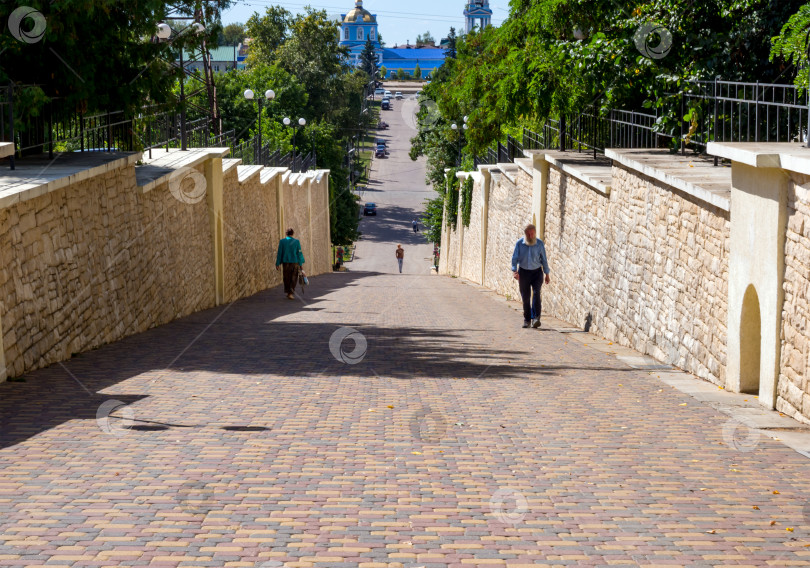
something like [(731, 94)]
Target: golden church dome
[(359, 14)]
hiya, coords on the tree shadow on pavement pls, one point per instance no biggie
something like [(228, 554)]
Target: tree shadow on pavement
[(250, 337)]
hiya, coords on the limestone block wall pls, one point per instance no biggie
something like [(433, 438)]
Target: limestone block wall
[(646, 267), (509, 211), (471, 255), (251, 233), (321, 257), (97, 261), (451, 250), (793, 392)]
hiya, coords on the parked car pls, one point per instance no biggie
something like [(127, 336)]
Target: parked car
[(382, 125), (379, 91), (385, 105), (381, 142), (387, 93), (380, 152), (370, 209), (398, 95)]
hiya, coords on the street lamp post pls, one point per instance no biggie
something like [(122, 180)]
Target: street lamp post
[(164, 32), (455, 128), (269, 94), (301, 122)]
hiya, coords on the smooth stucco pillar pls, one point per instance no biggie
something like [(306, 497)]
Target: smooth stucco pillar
[(214, 196), (756, 274)]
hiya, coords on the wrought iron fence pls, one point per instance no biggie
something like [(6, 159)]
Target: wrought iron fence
[(250, 154), (7, 117), (59, 129), (702, 112)]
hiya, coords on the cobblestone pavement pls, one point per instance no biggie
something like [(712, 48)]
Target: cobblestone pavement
[(385, 420)]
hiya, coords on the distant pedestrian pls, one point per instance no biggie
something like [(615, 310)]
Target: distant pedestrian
[(529, 263), (400, 252), (290, 258), (415, 224)]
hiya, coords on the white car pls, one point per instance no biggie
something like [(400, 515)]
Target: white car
[(388, 94), (398, 95)]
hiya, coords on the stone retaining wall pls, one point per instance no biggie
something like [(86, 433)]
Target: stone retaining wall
[(793, 393), (251, 233), (471, 261), (509, 211), (99, 259), (646, 267)]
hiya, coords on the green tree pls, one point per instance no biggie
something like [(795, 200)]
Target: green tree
[(792, 44), (400, 73), (425, 39), (383, 71), (368, 58), (450, 50), (267, 33), (98, 56), (417, 72), (233, 34)]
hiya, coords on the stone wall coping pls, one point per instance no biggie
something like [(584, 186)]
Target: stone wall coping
[(475, 175), (229, 163), (691, 174), (509, 171), (163, 165), (792, 156), (526, 164), (6, 149), (246, 173), (37, 175), (597, 174), (269, 174)]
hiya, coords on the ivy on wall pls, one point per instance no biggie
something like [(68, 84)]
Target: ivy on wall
[(452, 198), (466, 200)]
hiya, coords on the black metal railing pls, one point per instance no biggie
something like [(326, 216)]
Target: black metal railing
[(267, 156), (7, 117), (702, 112)]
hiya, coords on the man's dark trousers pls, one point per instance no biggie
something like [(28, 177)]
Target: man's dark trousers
[(290, 277), (530, 282)]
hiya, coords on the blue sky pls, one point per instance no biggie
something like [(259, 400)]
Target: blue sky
[(399, 21)]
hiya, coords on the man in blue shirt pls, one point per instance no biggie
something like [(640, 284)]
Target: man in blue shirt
[(529, 263), (291, 258)]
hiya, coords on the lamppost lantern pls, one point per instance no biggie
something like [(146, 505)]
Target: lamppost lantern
[(197, 28), (249, 94), (270, 94), (465, 118), (466, 126), (286, 121), (164, 31), (302, 121), (579, 35), (454, 126)]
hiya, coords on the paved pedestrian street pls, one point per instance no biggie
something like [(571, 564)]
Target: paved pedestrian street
[(382, 420)]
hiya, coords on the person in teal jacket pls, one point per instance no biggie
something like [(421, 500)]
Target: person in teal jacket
[(290, 258)]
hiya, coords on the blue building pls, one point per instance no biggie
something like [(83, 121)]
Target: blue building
[(360, 25), (478, 14)]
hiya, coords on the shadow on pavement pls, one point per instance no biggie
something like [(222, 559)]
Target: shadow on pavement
[(248, 337)]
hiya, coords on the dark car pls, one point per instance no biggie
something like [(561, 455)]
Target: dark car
[(385, 105), (381, 142), (370, 209), (380, 152)]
